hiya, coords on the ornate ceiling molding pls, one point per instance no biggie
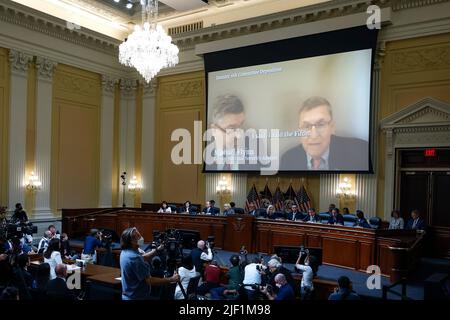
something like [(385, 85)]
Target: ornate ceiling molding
[(398, 5), (31, 19), (37, 21)]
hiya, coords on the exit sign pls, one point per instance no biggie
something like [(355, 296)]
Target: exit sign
[(430, 152)]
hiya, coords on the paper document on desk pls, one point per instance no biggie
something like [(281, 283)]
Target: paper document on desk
[(119, 278), (72, 267)]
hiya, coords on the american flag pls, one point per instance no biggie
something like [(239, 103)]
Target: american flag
[(278, 199), (252, 197), (266, 193), (290, 194), (303, 200)]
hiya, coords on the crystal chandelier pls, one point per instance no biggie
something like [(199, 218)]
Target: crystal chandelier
[(148, 49)]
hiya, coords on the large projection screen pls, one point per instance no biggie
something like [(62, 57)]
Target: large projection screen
[(307, 113)]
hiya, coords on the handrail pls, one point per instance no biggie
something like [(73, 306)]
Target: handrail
[(92, 213), (387, 289), (418, 239)]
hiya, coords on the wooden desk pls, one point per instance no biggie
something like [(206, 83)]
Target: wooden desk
[(348, 247)]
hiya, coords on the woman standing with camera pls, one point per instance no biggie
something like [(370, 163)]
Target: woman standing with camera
[(306, 286)]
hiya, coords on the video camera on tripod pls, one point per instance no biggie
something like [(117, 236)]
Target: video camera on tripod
[(11, 231)]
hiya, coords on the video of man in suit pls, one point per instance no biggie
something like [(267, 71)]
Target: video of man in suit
[(317, 109)]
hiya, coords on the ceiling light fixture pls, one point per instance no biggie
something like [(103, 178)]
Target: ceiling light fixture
[(148, 49)]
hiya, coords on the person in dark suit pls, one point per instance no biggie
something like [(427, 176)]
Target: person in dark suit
[(312, 216), (187, 207), (57, 288), (415, 222), (252, 209), (210, 208), (361, 221), (336, 217), (294, 214), (227, 126), (320, 148)]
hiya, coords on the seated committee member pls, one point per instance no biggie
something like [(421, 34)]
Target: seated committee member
[(336, 217), (134, 269), (312, 216), (294, 214), (361, 221), (344, 292), (187, 208), (228, 210), (321, 149), (271, 214), (415, 222), (396, 221), (164, 208), (210, 209), (252, 209), (228, 115)]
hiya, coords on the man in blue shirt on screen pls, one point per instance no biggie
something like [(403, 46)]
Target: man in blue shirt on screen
[(320, 149)]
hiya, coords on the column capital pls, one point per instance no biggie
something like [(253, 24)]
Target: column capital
[(19, 61), (128, 86), (108, 83), (149, 88), (45, 68)]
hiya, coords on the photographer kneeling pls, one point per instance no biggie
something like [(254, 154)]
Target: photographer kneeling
[(134, 269), (201, 255), (285, 290), (92, 242)]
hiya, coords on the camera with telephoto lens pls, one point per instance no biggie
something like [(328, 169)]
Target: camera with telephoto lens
[(303, 250)]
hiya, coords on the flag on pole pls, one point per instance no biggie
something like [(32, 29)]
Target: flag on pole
[(266, 193), (252, 197), (303, 200), (278, 199), (290, 194)]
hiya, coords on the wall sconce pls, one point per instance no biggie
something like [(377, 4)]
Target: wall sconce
[(134, 186), (33, 184), (344, 190), (223, 187)]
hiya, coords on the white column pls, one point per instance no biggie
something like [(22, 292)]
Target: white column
[(328, 186), (19, 62), (127, 133), (44, 95), (106, 142), (148, 143), (366, 194), (239, 189)]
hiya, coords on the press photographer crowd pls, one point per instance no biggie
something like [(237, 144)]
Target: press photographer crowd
[(164, 269)]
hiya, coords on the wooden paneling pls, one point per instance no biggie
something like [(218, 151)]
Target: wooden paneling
[(348, 247), (75, 138), (411, 70), (339, 252), (180, 102)]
